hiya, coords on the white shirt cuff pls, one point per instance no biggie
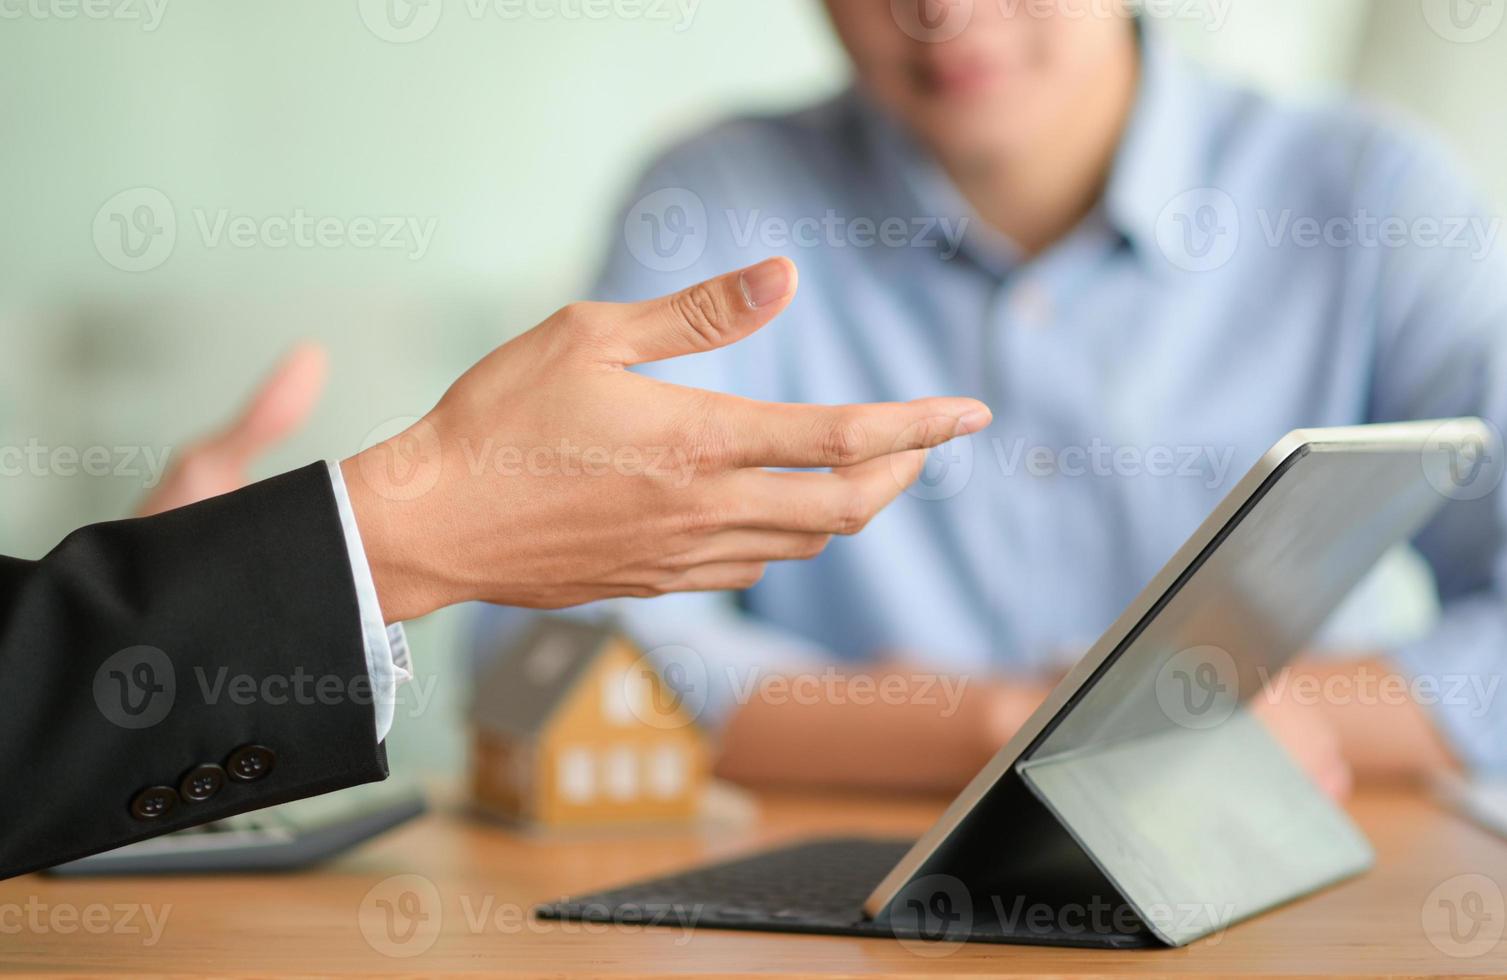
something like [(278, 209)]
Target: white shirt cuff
[(388, 663)]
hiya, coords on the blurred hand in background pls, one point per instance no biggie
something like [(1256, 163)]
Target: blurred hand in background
[(1311, 739), (221, 462)]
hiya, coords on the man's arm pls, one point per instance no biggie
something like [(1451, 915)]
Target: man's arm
[(888, 729), (167, 671), (1440, 350), (1357, 711), (176, 669)]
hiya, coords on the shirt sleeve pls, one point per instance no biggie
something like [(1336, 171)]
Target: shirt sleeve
[(387, 657)]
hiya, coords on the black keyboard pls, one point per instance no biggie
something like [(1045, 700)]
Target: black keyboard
[(817, 887)]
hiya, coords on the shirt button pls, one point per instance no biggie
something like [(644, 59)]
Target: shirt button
[(201, 783), (249, 763), (1031, 304), (154, 802)]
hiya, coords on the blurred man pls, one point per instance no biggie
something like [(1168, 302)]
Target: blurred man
[(1151, 276)]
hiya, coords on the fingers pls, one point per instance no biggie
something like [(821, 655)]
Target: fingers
[(752, 545), (801, 512), (1310, 740), (821, 436), (1336, 779), (279, 406), (719, 577), (840, 502), (711, 314)]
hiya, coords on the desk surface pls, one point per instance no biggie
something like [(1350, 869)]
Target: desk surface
[(470, 884)]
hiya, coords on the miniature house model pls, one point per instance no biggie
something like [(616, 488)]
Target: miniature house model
[(574, 726)]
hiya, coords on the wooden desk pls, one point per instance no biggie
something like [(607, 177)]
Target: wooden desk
[(480, 879)]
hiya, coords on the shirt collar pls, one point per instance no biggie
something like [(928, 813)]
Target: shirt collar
[(1158, 159)]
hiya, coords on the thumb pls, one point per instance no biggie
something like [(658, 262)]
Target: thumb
[(708, 315), (280, 406)]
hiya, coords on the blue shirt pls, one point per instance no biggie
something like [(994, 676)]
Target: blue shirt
[(1253, 267)]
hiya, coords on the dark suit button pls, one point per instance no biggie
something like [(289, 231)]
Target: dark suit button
[(154, 802), (201, 783), (250, 763)]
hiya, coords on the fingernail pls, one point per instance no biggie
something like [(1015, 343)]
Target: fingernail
[(970, 422), (766, 283)]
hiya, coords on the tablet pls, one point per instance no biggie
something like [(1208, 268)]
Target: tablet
[(1142, 803)]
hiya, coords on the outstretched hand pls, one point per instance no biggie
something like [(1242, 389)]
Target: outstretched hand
[(550, 475)]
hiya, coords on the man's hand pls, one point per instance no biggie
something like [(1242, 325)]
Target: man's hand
[(1353, 719), (1308, 736), (219, 463), (925, 733), (550, 475)]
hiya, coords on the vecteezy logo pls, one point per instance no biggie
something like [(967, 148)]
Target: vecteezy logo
[(669, 696), (935, 918), (401, 21), (135, 230), (932, 21), (135, 687), (667, 231), (1466, 916), (1199, 230), (1464, 464), (1198, 687), (932, 915), (1464, 21), (401, 458), (667, 687), (401, 916)]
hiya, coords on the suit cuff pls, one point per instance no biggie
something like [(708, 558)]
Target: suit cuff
[(388, 663)]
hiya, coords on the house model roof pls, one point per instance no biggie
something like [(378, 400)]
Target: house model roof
[(518, 692)]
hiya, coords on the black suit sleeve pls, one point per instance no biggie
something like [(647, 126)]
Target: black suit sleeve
[(140, 655)]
